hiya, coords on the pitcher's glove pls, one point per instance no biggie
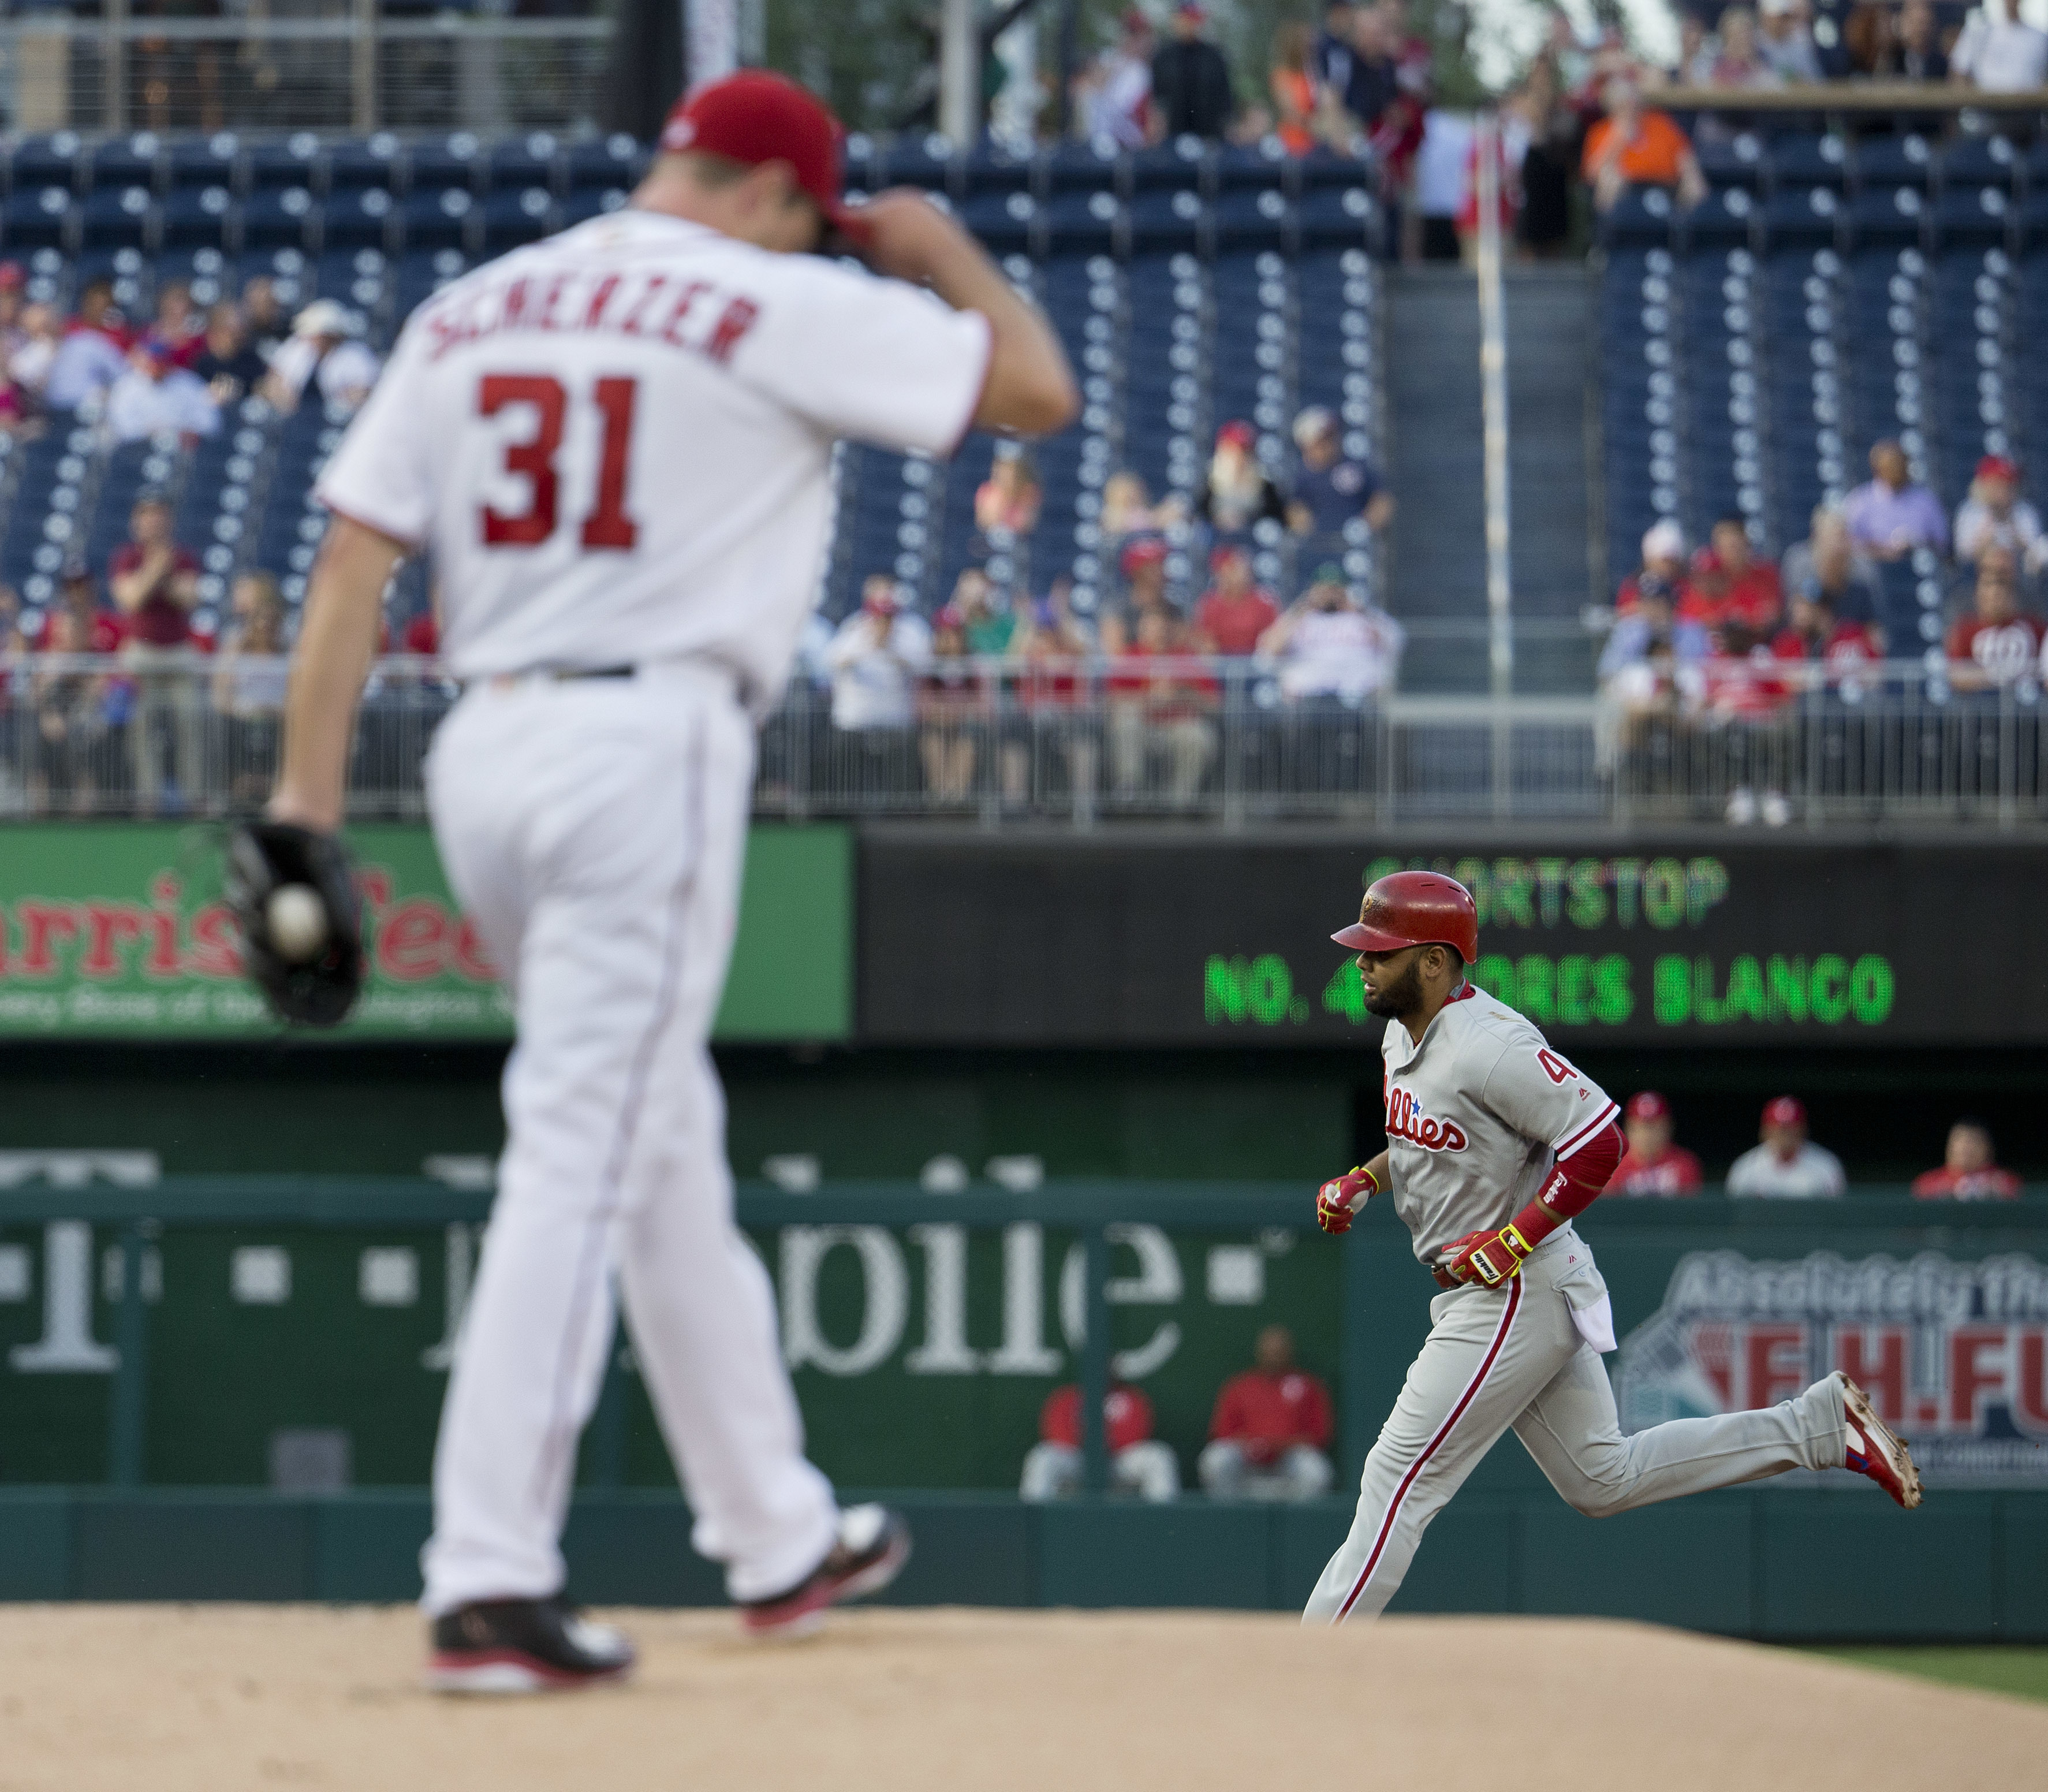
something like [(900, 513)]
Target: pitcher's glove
[(1334, 1212), (1489, 1259), (292, 893)]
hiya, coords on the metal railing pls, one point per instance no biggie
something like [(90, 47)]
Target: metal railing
[(355, 69), (1083, 742)]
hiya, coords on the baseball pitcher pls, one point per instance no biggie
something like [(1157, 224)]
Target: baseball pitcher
[(1495, 1144), (617, 443)]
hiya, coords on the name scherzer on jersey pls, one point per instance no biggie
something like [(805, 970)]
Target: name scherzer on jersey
[(646, 408), (1477, 1114)]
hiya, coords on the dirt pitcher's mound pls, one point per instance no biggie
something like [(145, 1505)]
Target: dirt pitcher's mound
[(221, 1698)]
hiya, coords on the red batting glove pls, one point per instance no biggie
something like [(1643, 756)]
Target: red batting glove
[(1489, 1259), (1334, 1209)]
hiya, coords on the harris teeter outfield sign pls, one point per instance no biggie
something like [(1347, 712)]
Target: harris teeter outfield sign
[(117, 930)]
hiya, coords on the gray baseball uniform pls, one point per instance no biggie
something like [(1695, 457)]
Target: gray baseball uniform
[(1478, 1111)]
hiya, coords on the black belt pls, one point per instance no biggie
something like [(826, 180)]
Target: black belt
[(565, 674)]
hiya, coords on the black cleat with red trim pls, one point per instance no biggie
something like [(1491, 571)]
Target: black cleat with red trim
[(874, 1543), (523, 1646), (1876, 1449)]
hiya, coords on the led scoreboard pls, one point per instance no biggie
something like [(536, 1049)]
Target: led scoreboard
[(1179, 942)]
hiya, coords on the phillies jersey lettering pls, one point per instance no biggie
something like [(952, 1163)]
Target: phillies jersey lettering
[(1405, 1120), (617, 442), (1517, 1109)]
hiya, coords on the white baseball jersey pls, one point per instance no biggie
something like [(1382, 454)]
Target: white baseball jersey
[(617, 442), (1811, 1171), (1476, 1114)]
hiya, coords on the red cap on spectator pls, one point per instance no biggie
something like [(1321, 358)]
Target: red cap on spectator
[(1787, 1111), (1647, 1105), (1147, 550), (1998, 467), (1242, 434), (12, 275), (948, 616), (1225, 555), (755, 117)]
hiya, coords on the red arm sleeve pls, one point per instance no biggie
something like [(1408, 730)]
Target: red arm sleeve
[(1575, 1183)]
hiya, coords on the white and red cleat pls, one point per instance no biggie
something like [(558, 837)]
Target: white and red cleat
[(1876, 1449), (874, 1543)]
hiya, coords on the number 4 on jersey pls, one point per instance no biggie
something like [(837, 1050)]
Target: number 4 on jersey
[(607, 526), (1555, 1067)]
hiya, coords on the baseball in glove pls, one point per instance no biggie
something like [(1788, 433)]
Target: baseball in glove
[(292, 892)]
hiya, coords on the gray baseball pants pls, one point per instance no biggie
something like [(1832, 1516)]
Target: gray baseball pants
[(1497, 1358)]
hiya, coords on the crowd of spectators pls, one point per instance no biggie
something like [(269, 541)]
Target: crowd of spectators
[(1131, 675), (1724, 637), (1785, 1164), (1269, 1436), (172, 374)]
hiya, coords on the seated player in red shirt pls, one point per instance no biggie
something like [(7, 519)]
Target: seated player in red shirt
[(1970, 1170), (1271, 1432), (1652, 1165), (1138, 1463)]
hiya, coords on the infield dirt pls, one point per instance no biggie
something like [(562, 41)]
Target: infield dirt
[(224, 1698)]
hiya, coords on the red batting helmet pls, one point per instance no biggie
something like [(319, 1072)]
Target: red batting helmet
[(1415, 909)]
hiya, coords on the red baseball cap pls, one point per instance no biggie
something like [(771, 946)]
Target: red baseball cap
[(755, 117), (1147, 550), (1225, 555), (1787, 1111), (1998, 467), (1647, 1105), (1241, 433)]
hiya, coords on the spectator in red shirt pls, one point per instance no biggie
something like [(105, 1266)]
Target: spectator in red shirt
[(1816, 632), (1139, 1464), (1271, 1432), (1652, 1165), (1739, 589), (1233, 612), (1968, 1170), (99, 627), (1994, 645), (154, 584), (1663, 562)]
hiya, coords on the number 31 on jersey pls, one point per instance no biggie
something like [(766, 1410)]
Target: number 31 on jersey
[(610, 525)]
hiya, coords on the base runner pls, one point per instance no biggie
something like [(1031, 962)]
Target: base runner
[(1495, 1144), (617, 442)]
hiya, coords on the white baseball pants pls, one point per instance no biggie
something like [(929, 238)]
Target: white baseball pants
[(1513, 1357), (594, 830)]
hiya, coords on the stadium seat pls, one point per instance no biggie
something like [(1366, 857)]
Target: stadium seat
[(987, 168), (436, 218), (1895, 216), (1161, 222), (438, 164), (603, 163), (519, 163), (1726, 216), (1260, 164), (357, 162), (1641, 217), (295, 161), (204, 161), (1082, 167), (1080, 223), (419, 275), (1326, 168), (124, 161), (1245, 221), (924, 161), (1895, 160), (198, 218), (1808, 161), (513, 218), (1336, 218), (1183, 164), (586, 203), (1738, 162), (361, 218), (115, 218), (1002, 219), (207, 273), (37, 162), (37, 217), (1808, 216), (1979, 161), (281, 218)]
